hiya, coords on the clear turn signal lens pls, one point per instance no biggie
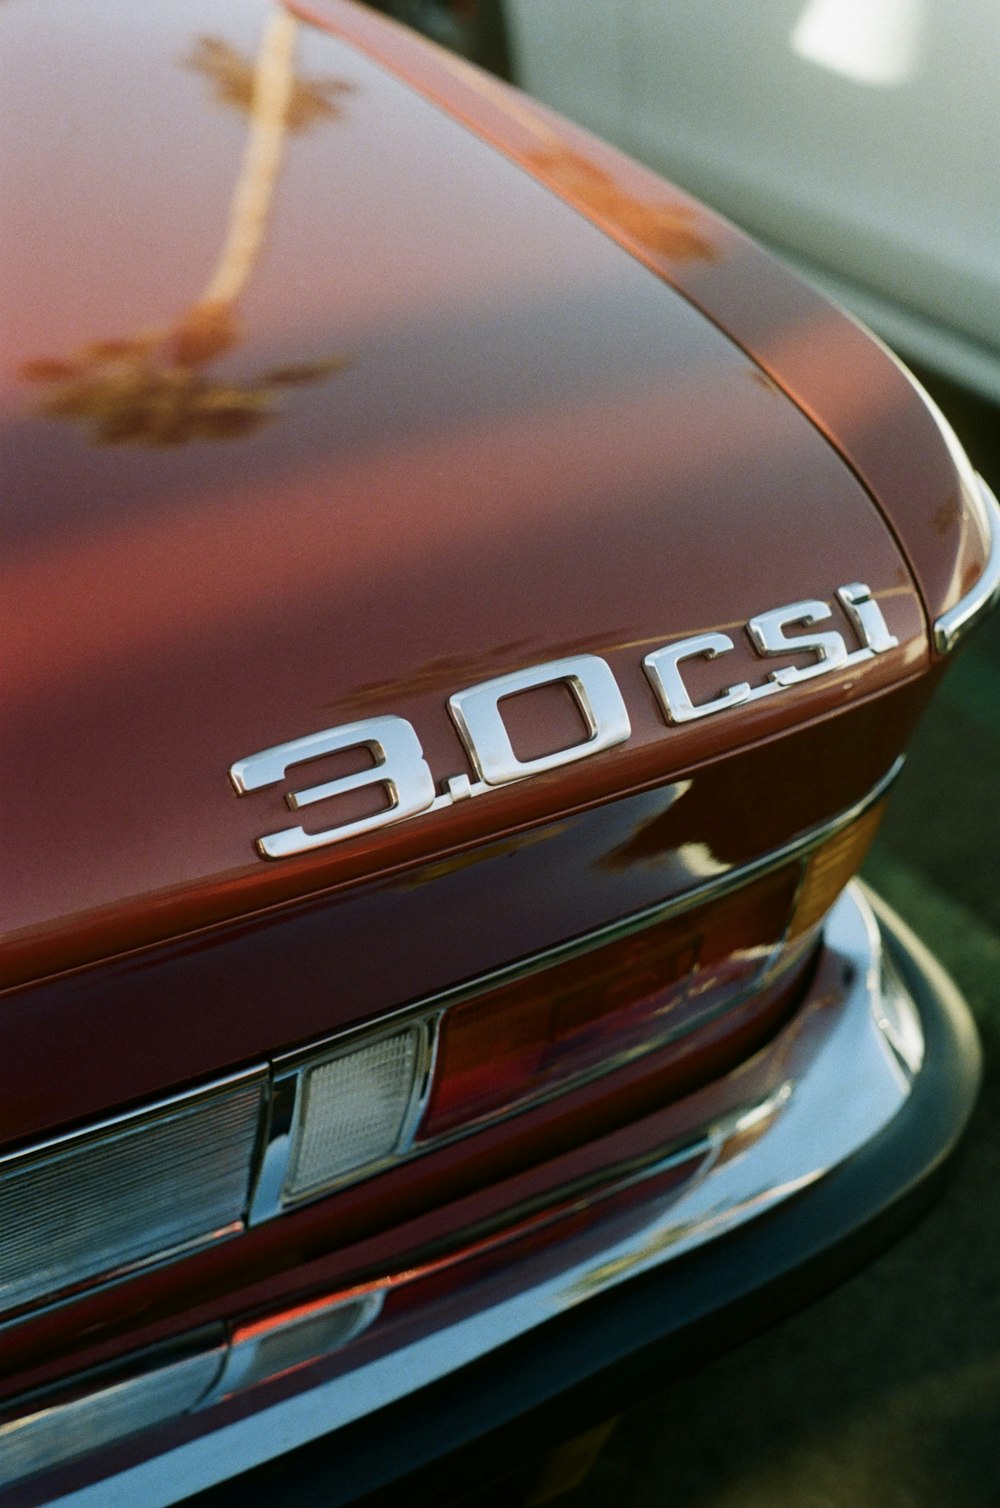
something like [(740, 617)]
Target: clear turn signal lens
[(355, 1110)]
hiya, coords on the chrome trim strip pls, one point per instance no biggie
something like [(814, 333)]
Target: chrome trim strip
[(712, 889), (806, 1127), (114, 1123), (275, 1157), (424, 1083), (59, 1425), (953, 625), (114, 1276)]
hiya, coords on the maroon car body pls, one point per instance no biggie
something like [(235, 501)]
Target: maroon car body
[(341, 380)]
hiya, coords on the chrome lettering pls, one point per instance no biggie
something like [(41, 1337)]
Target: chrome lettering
[(662, 667), (866, 617), (767, 635), (477, 716), (400, 768)]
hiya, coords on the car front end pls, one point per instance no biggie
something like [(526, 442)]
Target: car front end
[(467, 610)]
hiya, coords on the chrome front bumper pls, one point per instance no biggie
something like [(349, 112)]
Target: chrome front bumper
[(880, 1031)]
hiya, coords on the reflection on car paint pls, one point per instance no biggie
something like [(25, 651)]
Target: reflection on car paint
[(152, 388)]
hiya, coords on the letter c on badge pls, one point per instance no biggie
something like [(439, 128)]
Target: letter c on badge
[(662, 668)]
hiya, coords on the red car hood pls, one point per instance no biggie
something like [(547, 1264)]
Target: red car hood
[(329, 409)]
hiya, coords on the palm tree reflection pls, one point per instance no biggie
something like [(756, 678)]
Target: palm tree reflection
[(232, 77), (152, 388), (130, 391), (662, 226)]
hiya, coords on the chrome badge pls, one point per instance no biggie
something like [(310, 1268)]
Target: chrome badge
[(400, 769)]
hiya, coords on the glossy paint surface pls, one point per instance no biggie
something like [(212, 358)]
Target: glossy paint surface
[(332, 411), (853, 390), (168, 1015), (326, 408)]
